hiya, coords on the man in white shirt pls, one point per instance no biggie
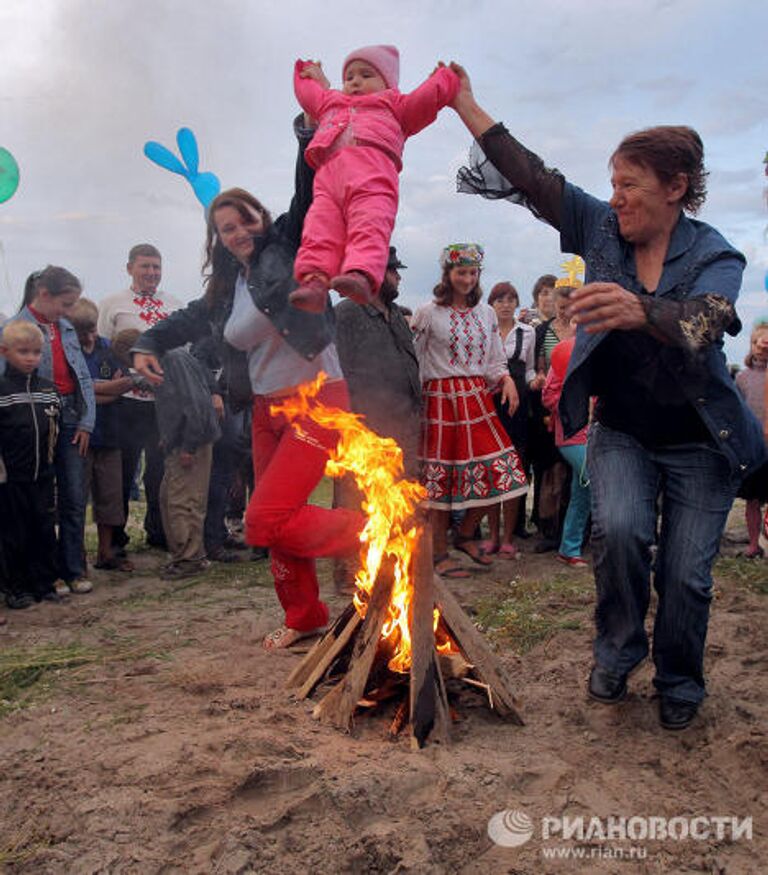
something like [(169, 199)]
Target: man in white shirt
[(139, 307)]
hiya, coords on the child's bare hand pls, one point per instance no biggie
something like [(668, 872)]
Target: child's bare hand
[(437, 67), (314, 70)]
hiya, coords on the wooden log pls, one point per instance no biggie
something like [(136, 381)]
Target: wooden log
[(428, 702), (338, 706), (476, 650), (324, 651)]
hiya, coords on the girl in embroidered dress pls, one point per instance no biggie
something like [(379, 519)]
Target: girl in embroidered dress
[(468, 461)]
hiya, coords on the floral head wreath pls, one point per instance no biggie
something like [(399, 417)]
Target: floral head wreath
[(462, 255), (574, 270)]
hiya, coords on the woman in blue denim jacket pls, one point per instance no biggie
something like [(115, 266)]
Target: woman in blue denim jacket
[(48, 296), (670, 432)]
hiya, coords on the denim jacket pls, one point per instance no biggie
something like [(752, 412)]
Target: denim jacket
[(85, 397), (699, 262)]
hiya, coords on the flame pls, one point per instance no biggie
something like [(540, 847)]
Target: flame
[(389, 501)]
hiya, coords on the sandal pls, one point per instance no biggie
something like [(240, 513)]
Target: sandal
[(757, 553), (114, 564), (508, 551), (489, 547), (452, 571), (284, 637), (472, 548)]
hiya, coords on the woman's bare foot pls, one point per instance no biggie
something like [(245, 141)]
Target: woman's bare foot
[(284, 637)]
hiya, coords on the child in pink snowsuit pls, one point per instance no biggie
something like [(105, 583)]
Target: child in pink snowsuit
[(357, 152)]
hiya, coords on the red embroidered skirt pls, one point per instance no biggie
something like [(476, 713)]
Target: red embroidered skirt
[(467, 459)]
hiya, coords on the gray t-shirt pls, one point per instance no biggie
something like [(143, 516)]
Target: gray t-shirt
[(273, 364)]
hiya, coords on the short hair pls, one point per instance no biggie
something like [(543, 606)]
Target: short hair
[(668, 150), (20, 331), (55, 280), (758, 328), (84, 315), (502, 290), (145, 249), (545, 281), (443, 291), (122, 343)]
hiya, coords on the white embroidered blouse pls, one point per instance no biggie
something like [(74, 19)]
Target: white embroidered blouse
[(452, 342)]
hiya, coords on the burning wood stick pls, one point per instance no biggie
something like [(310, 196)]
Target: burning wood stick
[(311, 669), (429, 703), (477, 651), (338, 706)]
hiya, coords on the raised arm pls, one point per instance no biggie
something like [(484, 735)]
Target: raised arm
[(420, 107), (310, 85), (500, 166), (290, 224)]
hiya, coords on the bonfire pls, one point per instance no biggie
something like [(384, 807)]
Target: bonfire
[(403, 630)]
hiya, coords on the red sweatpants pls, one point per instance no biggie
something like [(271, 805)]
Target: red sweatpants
[(287, 467), (352, 215)]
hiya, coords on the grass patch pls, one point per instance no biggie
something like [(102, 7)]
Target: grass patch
[(536, 610), (752, 573), (23, 669)]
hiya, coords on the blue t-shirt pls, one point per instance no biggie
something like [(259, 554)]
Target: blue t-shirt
[(102, 366)]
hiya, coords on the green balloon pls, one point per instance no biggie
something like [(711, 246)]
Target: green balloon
[(9, 175)]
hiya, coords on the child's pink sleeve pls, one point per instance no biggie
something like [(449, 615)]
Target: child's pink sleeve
[(420, 108), (309, 92)]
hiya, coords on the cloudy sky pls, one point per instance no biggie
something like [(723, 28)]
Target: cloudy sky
[(84, 83)]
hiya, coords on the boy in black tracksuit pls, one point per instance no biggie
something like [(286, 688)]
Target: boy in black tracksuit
[(29, 418)]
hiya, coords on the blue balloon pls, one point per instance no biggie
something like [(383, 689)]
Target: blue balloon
[(766, 281), (205, 185)]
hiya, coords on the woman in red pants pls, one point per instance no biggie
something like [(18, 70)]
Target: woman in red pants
[(268, 349)]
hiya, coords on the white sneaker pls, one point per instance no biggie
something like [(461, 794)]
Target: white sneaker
[(62, 588), (80, 586)]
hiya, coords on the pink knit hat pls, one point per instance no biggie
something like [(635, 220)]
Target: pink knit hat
[(386, 59)]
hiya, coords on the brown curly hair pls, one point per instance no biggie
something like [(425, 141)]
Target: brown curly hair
[(443, 291), (668, 150)]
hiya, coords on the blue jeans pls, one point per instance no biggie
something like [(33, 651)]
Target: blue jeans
[(70, 499), (577, 515), (693, 488)]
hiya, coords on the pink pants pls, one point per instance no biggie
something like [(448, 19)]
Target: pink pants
[(287, 468), (352, 215)]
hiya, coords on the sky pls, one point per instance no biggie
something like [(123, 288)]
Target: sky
[(85, 83)]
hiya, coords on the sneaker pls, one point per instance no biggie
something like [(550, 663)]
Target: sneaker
[(572, 561), (233, 543), (259, 553), (184, 568), (221, 554), (62, 588), (80, 585), (19, 601), (52, 596)]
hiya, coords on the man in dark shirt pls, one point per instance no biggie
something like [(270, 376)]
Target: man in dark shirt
[(379, 363)]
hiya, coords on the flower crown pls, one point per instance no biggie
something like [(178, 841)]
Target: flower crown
[(462, 255)]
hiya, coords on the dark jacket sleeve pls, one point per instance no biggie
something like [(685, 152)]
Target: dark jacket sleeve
[(501, 167), (187, 325), (290, 224)]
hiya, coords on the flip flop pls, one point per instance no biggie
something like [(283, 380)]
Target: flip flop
[(508, 551), (489, 547), (479, 557), (453, 571)]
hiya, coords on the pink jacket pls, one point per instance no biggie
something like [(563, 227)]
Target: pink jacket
[(384, 119)]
